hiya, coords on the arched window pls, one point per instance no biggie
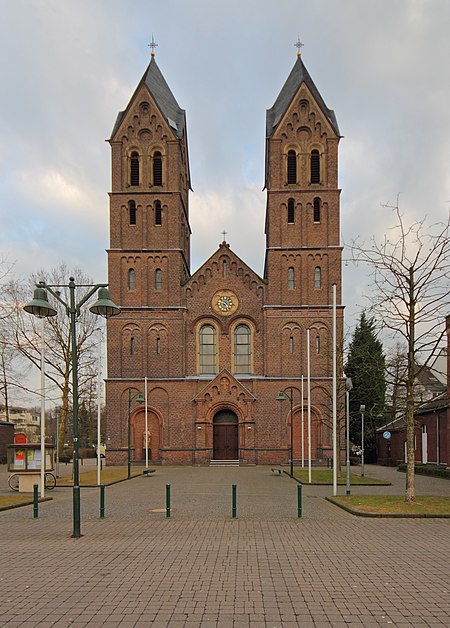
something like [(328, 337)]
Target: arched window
[(291, 278), (242, 349), (158, 213), (225, 268), (291, 211), (158, 279), (132, 345), (158, 345), (292, 166), (315, 166), (134, 168), (291, 344), (132, 211), (317, 277), (131, 279), (317, 344), (157, 168), (208, 351), (316, 209)]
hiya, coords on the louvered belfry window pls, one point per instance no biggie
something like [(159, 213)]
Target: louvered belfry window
[(291, 211), (157, 168), (132, 210), (158, 213), (134, 169), (292, 167), (316, 209), (315, 166)]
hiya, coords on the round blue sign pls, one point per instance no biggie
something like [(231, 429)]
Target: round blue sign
[(387, 435)]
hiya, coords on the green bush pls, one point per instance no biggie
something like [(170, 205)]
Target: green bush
[(428, 469)]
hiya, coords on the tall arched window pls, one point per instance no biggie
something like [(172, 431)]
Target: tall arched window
[(208, 350), (291, 278), (317, 277), (132, 211), (158, 213), (158, 279), (157, 168), (317, 343), (131, 279), (291, 211), (134, 168), (315, 166), (242, 349), (316, 209), (132, 345), (291, 344), (292, 166)]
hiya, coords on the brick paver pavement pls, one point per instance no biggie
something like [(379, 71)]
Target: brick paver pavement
[(202, 568)]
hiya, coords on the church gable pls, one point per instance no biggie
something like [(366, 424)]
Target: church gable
[(224, 265), (224, 391)]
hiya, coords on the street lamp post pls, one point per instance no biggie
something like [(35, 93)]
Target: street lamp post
[(105, 307), (282, 396), (140, 399), (348, 388), (362, 409)]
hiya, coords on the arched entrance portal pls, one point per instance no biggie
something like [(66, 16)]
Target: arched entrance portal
[(139, 439), (225, 436)]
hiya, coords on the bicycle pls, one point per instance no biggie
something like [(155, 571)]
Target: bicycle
[(49, 481)]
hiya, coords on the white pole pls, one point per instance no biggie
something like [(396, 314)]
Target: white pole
[(42, 408), (303, 428), (308, 379), (335, 446), (146, 423), (99, 385)]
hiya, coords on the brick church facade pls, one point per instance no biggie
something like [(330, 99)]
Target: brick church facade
[(215, 347)]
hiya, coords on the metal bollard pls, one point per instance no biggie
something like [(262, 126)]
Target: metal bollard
[(102, 501), (167, 501), (233, 502), (299, 500), (35, 501)]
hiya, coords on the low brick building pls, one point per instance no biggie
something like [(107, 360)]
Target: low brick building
[(214, 348)]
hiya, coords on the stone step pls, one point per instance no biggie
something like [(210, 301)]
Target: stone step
[(224, 463)]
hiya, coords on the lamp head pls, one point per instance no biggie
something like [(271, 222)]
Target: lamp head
[(104, 306), (362, 408), (348, 384), (40, 306), (140, 398), (281, 396)]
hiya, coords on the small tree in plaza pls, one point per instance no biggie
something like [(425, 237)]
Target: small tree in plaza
[(410, 290), (366, 367)]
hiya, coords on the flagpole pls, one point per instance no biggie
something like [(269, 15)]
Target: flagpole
[(308, 360), (146, 423), (303, 428), (335, 447)]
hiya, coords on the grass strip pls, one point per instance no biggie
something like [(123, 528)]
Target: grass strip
[(395, 505), (325, 476), (107, 476)]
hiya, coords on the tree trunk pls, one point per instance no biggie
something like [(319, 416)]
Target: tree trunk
[(410, 465)]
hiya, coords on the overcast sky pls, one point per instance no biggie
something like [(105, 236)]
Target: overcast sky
[(69, 66)]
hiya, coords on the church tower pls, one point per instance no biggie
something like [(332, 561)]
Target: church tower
[(149, 212), (303, 253)]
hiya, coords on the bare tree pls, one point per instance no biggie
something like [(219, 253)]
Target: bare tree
[(27, 337), (411, 278)]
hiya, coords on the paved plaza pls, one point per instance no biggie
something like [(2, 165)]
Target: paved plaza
[(266, 568)]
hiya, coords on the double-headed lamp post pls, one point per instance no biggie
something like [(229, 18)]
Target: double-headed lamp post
[(139, 397), (282, 396), (105, 307)]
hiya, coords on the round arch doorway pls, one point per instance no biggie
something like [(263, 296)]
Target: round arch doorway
[(225, 436)]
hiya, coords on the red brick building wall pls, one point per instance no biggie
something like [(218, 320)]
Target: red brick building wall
[(157, 334)]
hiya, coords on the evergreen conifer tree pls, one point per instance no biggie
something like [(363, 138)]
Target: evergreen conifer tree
[(366, 367)]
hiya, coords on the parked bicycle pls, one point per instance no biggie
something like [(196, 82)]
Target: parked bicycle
[(49, 481)]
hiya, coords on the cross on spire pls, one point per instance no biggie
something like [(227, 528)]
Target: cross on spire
[(299, 46), (152, 45), (224, 233)]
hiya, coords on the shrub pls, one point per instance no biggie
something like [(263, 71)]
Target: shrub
[(428, 469)]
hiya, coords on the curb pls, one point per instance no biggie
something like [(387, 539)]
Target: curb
[(29, 503)]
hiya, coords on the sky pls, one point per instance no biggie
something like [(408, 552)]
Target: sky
[(69, 66)]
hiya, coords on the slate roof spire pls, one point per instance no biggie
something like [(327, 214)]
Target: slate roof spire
[(165, 100), (299, 74)]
